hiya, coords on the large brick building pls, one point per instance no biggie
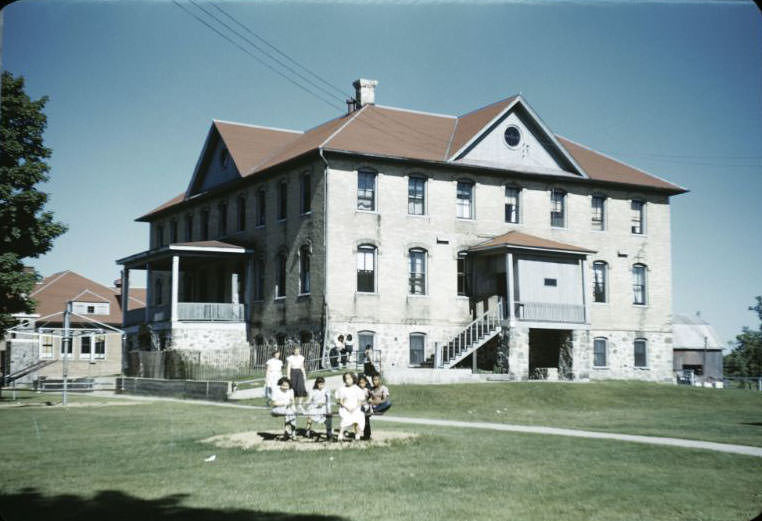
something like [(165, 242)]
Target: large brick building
[(403, 227)]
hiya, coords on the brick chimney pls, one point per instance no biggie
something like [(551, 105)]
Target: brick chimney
[(365, 92)]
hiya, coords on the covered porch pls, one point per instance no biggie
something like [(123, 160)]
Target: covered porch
[(208, 281), (536, 280)]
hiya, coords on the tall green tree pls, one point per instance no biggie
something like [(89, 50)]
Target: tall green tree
[(746, 358), (26, 229)]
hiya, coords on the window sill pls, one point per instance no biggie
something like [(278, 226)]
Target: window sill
[(279, 299), (642, 368), (259, 226), (303, 295), (371, 212), (639, 235), (642, 306), (366, 293), (559, 227), (600, 303), (599, 231), (465, 219), (281, 221), (601, 368), (305, 214), (417, 296), (462, 297), (418, 215)]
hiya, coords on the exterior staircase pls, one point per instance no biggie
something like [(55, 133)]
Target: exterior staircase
[(480, 331), (9, 378)]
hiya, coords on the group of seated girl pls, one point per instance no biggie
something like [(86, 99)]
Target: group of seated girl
[(356, 400)]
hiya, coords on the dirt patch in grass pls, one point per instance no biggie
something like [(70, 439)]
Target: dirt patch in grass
[(273, 440), (59, 405)]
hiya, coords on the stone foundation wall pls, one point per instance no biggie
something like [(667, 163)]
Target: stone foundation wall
[(620, 357), (208, 336)]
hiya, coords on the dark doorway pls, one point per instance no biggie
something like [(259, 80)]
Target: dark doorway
[(545, 348)]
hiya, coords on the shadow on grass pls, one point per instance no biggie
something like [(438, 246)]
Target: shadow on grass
[(113, 505)]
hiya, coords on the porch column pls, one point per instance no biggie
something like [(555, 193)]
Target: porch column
[(509, 283), (149, 294), (249, 294), (175, 286), (234, 288), (125, 293), (585, 300)]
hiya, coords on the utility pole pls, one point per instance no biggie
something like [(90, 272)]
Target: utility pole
[(66, 347), (706, 341)]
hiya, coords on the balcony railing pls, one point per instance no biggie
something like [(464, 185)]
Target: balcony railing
[(190, 311), (546, 312), (210, 311)]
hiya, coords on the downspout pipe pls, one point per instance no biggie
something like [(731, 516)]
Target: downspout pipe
[(325, 256)]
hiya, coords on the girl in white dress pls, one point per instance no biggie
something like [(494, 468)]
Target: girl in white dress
[(282, 401), (318, 406), (350, 399), (273, 373)]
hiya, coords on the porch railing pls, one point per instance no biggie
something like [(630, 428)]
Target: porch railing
[(547, 312), (210, 311)]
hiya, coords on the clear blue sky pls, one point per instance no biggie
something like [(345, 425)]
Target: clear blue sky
[(674, 88)]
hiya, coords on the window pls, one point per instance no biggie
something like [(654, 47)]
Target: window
[(599, 352), (224, 158), (639, 284), (366, 190), (640, 353), (261, 207), (222, 218), (599, 212), (416, 198), (637, 217), (512, 136), (557, 208), (365, 340), (90, 310), (85, 344), (304, 270), (512, 204), (463, 275), (241, 213), (280, 278), (70, 343), (282, 200), (173, 231), (259, 280), (366, 269), (599, 281), (417, 348), (188, 228), (306, 193), (46, 346), (205, 224), (100, 346), (465, 200), (159, 235), (417, 277), (157, 292)]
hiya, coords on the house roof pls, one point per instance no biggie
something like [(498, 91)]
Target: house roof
[(693, 332), (524, 240), (376, 130), (53, 292)]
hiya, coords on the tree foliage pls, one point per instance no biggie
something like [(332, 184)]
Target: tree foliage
[(26, 229), (746, 358)]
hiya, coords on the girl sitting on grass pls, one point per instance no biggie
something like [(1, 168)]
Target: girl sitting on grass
[(282, 401)]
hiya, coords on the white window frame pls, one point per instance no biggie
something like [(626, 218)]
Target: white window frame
[(365, 248), (553, 206), (517, 205), (364, 173), (95, 341), (416, 334), (603, 212), (471, 200), (645, 353), (423, 201), (361, 345), (645, 285), (46, 354), (424, 255), (641, 216), (605, 266), (605, 352)]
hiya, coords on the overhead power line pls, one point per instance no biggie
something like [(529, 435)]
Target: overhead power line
[(257, 58), (281, 53)]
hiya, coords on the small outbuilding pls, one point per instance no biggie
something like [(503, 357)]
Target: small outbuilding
[(696, 347)]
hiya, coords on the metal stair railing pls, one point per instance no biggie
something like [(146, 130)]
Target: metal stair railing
[(471, 337)]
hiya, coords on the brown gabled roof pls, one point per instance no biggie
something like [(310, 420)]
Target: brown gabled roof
[(603, 168), (470, 124), (398, 133), (250, 145), (524, 240), (54, 291)]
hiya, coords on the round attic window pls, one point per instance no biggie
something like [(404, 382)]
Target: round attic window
[(512, 136)]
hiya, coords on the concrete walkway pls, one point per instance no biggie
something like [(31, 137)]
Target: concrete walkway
[(744, 450)]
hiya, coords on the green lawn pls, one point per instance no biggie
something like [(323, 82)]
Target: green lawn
[(144, 462)]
